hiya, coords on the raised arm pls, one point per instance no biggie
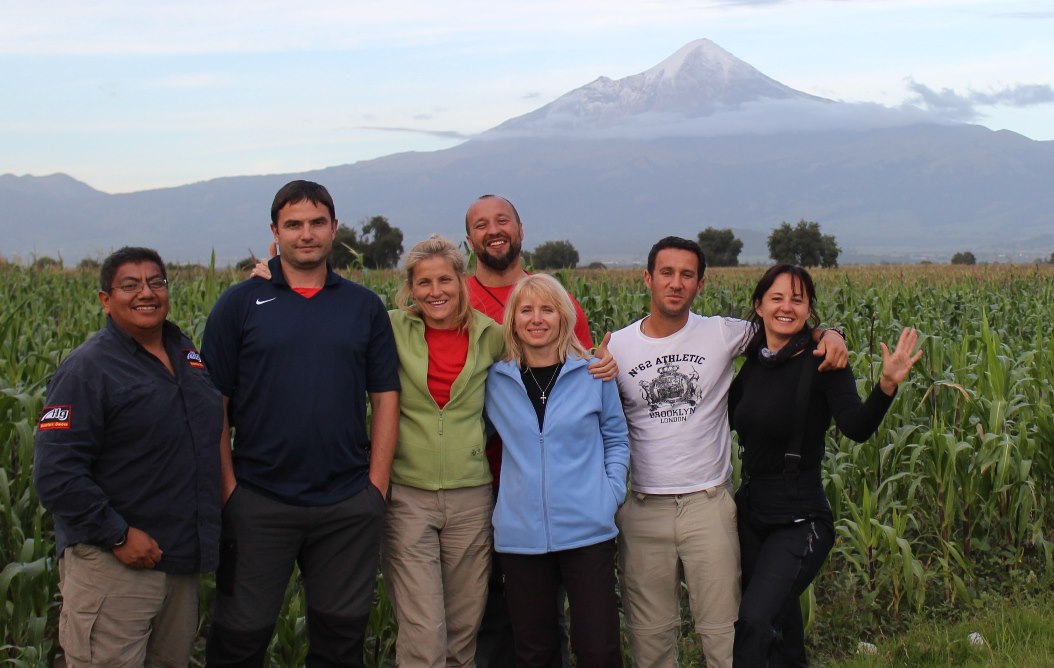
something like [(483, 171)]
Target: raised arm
[(897, 364)]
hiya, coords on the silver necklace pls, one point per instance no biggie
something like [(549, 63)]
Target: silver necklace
[(556, 373)]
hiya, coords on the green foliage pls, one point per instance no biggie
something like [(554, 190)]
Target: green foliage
[(597, 265), (347, 251), (377, 246), (380, 244), (555, 255), (45, 263), (996, 635), (803, 244), (721, 247), (964, 257), (944, 512)]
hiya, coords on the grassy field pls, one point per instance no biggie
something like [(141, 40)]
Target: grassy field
[(944, 515)]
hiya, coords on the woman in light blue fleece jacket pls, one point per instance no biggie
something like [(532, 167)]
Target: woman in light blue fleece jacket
[(563, 475)]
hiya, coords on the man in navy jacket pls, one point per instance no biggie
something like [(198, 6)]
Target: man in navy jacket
[(126, 462), (295, 357)]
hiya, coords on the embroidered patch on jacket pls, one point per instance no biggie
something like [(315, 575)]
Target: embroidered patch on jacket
[(194, 359), (55, 417)]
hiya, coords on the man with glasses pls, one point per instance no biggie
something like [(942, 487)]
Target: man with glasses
[(126, 462)]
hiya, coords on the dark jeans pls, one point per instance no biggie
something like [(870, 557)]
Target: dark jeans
[(494, 640), (532, 584), (336, 548), (779, 562)]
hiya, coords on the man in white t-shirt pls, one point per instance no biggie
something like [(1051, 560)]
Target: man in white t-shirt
[(675, 368)]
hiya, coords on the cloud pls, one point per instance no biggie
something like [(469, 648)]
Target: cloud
[(956, 106), (1022, 95), (1026, 15), (192, 81), (760, 117), (441, 134)]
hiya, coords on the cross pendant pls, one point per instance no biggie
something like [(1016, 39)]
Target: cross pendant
[(543, 398)]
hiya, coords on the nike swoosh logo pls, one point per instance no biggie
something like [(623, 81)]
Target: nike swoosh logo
[(264, 301)]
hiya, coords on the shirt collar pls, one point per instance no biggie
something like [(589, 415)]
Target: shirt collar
[(169, 331)]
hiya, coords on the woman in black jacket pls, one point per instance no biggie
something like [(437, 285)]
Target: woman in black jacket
[(781, 408)]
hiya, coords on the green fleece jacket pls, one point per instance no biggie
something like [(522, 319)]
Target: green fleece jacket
[(442, 449)]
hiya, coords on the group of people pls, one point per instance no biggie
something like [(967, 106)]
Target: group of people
[(471, 441)]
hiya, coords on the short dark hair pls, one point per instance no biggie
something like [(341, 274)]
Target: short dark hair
[(515, 213), (133, 254), (298, 191), (803, 279), (680, 244)]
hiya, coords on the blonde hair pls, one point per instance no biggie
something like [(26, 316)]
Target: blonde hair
[(547, 289), (435, 246)]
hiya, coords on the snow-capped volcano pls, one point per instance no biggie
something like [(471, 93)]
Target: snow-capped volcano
[(700, 79)]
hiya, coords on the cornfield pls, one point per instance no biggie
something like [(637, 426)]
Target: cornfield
[(945, 508)]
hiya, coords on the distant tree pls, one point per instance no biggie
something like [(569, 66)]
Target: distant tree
[(380, 244), (555, 255), (803, 244), (1050, 260), (45, 263), (346, 251), (596, 265), (721, 247), (89, 264), (964, 257), (246, 263)]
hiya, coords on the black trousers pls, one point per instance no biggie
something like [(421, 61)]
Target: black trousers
[(779, 562), (532, 584), (337, 549), (494, 641)]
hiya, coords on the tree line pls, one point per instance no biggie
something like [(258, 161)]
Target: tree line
[(377, 244)]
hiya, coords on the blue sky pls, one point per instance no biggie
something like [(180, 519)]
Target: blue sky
[(127, 95)]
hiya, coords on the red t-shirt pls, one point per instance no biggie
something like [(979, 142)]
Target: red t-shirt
[(491, 302), (447, 351), (307, 292)]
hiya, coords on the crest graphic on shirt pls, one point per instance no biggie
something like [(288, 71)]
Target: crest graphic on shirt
[(55, 417), (671, 388)]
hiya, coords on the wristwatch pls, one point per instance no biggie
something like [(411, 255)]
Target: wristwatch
[(837, 330), (124, 538)]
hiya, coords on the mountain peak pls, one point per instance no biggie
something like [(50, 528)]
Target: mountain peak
[(693, 54), (699, 79)]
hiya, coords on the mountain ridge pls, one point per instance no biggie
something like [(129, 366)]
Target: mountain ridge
[(635, 160)]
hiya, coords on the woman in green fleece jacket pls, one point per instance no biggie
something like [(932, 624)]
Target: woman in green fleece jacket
[(437, 537)]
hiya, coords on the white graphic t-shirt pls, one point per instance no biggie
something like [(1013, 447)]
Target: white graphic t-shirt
[(675, 394)]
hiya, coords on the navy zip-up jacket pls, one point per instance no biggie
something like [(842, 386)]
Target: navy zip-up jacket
[(122, 442)]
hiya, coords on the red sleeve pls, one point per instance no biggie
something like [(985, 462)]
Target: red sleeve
[(582, 326)]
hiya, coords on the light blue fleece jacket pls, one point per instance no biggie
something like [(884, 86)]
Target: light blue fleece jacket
[(559, 487)]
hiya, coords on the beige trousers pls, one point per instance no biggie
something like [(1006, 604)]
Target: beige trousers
[(662, 539), (114, 616), (436, 561)]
